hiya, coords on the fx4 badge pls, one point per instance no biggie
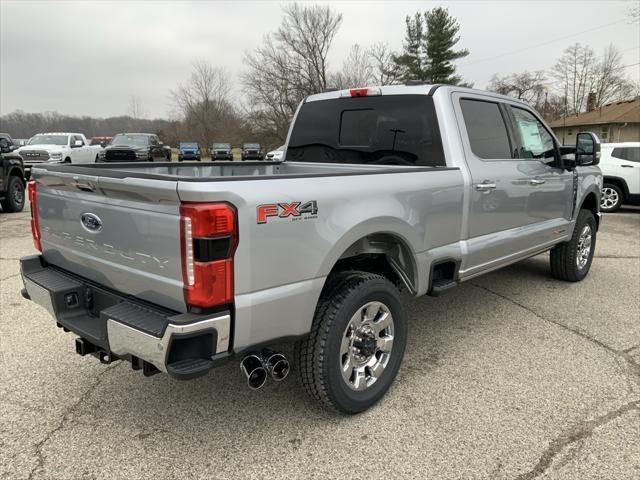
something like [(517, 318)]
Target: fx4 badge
[(294, 210)]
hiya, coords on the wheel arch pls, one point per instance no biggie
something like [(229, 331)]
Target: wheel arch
[(17, 172), (591, 202), (386, 251), (620, 182)]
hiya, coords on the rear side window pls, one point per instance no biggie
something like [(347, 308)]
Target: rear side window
[(627, 153), (384, 130), (486, 129)]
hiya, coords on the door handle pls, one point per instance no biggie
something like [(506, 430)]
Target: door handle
[(536, 181), (485, 187), (626, 166)]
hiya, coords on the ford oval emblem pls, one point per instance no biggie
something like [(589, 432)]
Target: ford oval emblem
[(91, 222)]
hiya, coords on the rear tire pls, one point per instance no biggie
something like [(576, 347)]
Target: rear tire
[(14, 202), (612, 196), (571, 261), (356, 344)]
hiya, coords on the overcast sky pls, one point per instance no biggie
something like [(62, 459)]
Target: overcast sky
[(89, 58)]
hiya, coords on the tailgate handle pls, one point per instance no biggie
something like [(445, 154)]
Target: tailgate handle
[(87, 187)]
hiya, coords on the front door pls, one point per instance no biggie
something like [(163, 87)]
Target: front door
[(550, 201)]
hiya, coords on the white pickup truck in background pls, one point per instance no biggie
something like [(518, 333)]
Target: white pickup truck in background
[(57, 148)]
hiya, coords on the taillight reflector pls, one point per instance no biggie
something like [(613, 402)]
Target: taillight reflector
[(207, 281), (361, 92), (35, 226)]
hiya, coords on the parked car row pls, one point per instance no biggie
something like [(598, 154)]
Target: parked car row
[(220, 151)]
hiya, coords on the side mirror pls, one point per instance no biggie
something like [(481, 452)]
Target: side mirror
[(103, 144), (77, 143), (587, 149)]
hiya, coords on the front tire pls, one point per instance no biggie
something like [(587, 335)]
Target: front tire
[(14, 201), (571, 261), (356, 344), (611, 199)]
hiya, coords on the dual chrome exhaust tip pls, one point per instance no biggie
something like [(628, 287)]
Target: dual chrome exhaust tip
[(257, 366)]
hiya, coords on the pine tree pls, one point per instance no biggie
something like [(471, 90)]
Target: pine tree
[(438, 41), (411, 62)]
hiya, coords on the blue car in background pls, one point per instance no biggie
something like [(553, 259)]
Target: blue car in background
[(188, 151)]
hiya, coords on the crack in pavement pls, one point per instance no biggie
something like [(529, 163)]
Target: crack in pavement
[(65, 418), (577, 433), (586, 428), (618, 353), (10, 276)]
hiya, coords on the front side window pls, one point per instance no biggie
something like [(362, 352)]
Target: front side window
[(384, 130), (4, 143), (537, 142), (486, 129)]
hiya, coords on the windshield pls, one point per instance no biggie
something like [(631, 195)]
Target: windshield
[(251, 145), (49, 140), (131, 140), (222, 146), (188, 145), (385, 130)]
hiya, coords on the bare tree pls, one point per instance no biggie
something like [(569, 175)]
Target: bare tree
[(610, 82), (289, 65), (525, 86), (580, 72), (385, 70), (356, 70), (204, 102), (574, 72)]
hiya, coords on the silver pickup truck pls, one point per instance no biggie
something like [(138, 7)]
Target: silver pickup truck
[(178, 268)]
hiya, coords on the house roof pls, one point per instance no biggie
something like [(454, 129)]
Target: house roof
[(627, 111)]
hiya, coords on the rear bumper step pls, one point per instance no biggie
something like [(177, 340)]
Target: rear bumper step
[(112, 326)]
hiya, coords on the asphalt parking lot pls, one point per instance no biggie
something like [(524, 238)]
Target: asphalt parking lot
[(512, 376)]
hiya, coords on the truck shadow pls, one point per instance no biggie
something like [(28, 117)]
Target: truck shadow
[(221, 403)]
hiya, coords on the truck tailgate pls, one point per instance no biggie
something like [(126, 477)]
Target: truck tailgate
[(122, 233)]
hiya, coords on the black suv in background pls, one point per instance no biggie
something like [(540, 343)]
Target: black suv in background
[(252, 151), (12, 182), (135, 147), (221, 151)]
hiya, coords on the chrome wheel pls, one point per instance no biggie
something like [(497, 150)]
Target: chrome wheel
[(366, 345), (584, 247), (610, 198)]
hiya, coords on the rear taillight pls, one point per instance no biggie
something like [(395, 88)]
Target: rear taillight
[(208, 237), (35, 226), (361, 92)]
